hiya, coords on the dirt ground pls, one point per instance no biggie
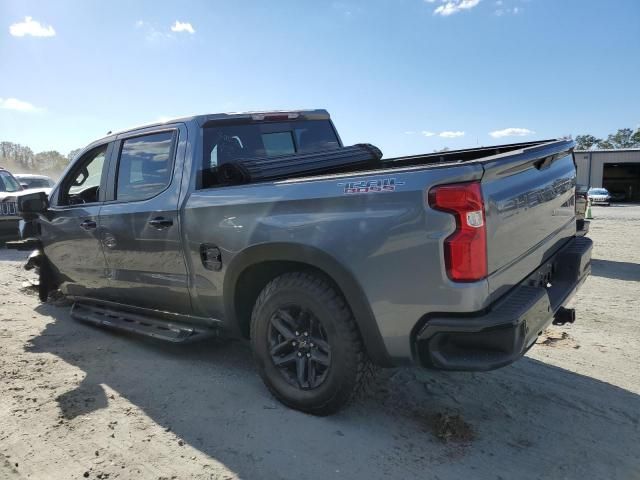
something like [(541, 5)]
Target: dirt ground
[(80, 402)]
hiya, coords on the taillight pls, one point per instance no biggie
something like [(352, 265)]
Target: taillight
[(465, 249)]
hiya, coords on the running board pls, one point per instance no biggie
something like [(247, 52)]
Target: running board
[(136, 323)]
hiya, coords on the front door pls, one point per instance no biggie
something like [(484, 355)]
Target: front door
[(139, 223), (70, 226)]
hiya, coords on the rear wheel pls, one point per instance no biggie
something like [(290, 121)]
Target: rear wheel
[(307, 345)]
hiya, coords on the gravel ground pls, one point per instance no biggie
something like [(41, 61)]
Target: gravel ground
[(80, 402)]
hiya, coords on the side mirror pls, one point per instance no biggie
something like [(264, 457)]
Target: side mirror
[(24, 185), (31, 204)]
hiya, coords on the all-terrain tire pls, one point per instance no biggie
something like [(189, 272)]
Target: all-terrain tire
[(350, 369)]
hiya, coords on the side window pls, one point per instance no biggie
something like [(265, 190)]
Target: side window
[(145, 166), (82, 185)]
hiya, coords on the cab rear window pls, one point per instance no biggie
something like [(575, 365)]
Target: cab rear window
[(228, 143)]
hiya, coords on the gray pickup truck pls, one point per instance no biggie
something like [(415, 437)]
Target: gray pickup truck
[(454, 260)]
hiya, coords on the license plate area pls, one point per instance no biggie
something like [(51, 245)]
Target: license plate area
[(543, 276)]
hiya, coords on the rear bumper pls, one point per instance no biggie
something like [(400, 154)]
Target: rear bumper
[(503, 333)]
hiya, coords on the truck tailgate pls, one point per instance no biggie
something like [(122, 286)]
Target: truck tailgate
[(530, 210)]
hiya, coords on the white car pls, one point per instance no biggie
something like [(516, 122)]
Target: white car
[(10, 189), (599, 196), (30, 181)]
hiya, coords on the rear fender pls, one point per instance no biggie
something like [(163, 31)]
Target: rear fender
[(344, 279)]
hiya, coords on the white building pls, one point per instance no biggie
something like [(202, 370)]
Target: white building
[(616, 170)]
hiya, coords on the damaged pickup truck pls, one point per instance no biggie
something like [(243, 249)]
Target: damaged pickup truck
[(330, 259)]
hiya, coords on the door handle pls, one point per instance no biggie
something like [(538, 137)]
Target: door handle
[(88, 225), (160, 223)]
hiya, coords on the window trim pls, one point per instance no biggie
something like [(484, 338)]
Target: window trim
[(111, 194)]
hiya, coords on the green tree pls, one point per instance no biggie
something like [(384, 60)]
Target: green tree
[(72, 154), (623, 138), (50, 161), (586, 142)]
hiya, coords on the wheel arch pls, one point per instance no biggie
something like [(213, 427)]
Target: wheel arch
[(254, 267)]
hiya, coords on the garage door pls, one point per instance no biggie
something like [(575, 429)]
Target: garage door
[(622, 180)]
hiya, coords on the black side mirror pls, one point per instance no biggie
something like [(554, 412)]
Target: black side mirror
[(31, 204)]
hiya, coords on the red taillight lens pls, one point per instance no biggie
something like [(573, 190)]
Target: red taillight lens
[(465, 249)]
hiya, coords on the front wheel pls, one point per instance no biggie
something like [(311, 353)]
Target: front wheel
[(307, 345)]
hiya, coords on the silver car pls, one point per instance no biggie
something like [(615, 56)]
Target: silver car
[(599, 196)]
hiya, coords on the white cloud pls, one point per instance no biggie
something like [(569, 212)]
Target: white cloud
[(450, 134), (31, 27), (19, 105), (449, 7), (182, 27), (445, 134), (154, 34), (511, 132), (503, 8)]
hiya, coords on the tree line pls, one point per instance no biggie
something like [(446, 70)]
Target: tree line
[(623, 138), (21, 159)]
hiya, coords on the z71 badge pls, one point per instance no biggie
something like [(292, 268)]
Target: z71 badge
[(371, 186)]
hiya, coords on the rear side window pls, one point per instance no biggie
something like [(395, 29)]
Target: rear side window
[(145, 166)]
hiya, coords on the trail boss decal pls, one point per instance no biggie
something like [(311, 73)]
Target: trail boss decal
[(370, 186)]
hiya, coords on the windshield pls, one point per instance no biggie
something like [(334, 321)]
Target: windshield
[(599, 191), (8, 183)]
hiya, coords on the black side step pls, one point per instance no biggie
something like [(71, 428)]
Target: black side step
[(136, 323)]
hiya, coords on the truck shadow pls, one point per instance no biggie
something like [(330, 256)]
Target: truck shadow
[(528, 420), (616, 270)]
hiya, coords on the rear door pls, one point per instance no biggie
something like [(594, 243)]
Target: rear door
[(139, 223), (530, 210)]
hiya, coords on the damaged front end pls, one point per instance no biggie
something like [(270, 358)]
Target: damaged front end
[(29, 207)]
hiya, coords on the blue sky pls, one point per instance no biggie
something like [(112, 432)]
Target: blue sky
[(410, 76)]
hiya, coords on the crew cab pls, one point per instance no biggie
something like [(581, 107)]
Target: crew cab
[(454, 260)]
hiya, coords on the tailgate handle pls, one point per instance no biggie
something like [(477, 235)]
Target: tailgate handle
[(544, 162)]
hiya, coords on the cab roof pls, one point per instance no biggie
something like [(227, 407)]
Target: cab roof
[(257, 116)]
